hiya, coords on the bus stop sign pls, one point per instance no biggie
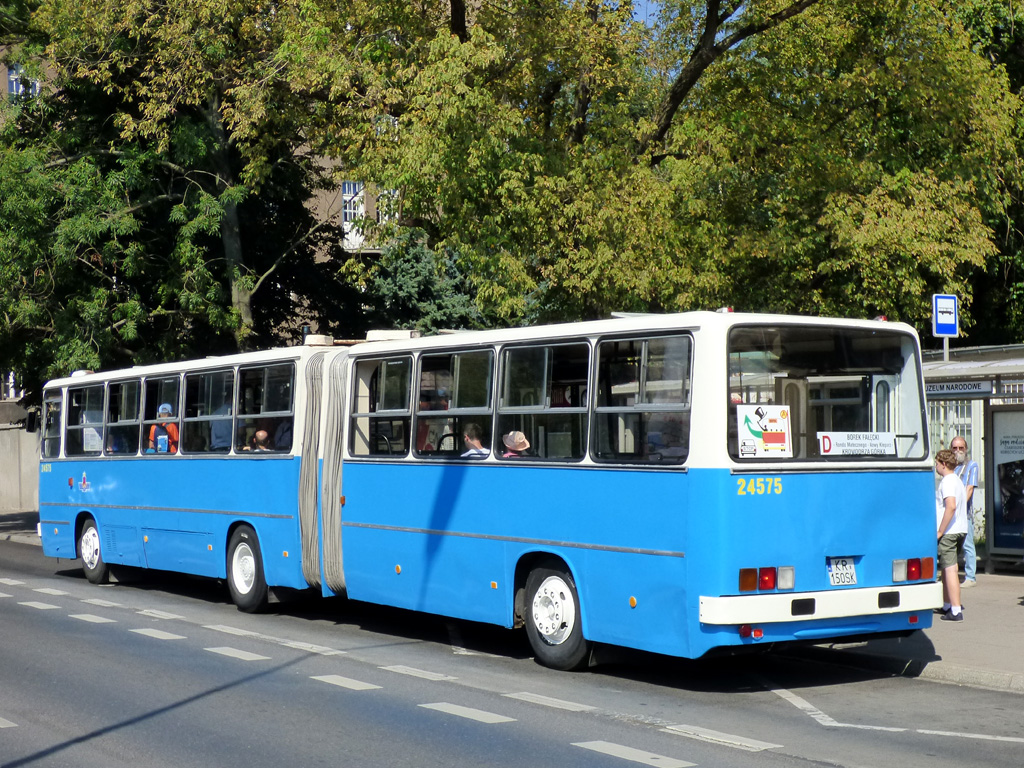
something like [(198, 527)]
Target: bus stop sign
[(945, 316)]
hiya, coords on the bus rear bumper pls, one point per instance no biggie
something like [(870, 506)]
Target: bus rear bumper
[(811, 606)]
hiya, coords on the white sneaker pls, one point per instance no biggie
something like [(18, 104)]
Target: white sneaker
[(968, 583)]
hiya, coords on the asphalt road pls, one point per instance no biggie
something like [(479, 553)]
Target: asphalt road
[(165, 672)]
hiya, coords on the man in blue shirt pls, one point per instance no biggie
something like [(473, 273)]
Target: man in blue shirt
[(967, 471)]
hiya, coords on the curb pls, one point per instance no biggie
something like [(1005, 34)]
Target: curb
[(932, 671)]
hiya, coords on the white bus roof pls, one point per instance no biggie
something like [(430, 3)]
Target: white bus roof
[(463, 339)]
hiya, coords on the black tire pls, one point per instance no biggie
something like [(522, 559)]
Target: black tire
[(245, 571), (552, 615), (96, 571)]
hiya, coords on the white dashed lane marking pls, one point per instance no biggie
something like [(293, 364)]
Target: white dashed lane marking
[(547, 701), (1012, 739), (346, 682), (231, 630), (12, 582), (160, 615), (40, 606), (295, 645), (51, 591), (717, 737), (633, 755), (235, 653), (93, 619), (4, 594), (469, 713), (102, 603), (421, 673), (7, 724), (158, 634)]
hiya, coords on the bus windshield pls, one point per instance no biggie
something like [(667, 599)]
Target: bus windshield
[(824, 393)]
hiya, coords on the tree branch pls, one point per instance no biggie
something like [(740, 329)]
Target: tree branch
[(704, 54)]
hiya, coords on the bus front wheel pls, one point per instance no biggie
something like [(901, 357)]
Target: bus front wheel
[(95, 569), (245, 571), (553, 619)]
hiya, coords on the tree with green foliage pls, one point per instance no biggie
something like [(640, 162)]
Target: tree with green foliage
[(790, 156), (151, 210), (566, 158)]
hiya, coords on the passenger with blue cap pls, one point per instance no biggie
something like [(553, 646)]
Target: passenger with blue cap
[(163, 436)]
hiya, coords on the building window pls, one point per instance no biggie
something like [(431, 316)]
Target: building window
[(18, 84), (352, 201)]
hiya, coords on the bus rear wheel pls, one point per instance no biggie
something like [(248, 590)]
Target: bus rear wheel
[(246, 582), (553, 619), (95, 569)]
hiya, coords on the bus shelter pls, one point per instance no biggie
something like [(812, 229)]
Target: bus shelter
[(978, 393)]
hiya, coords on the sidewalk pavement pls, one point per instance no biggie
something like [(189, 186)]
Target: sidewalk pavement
[(983, 650)]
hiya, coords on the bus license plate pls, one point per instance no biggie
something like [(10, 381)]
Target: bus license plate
[(841, 571)]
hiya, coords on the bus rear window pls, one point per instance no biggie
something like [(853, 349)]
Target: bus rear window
[(85, 421), (51, 424), (824, 393)]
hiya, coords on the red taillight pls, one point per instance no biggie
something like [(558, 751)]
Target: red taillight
[(914, 569), (766, 578)]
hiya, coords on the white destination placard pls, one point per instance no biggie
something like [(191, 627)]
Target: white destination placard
[(857, 443)]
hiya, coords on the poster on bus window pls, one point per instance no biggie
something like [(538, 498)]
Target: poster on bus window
[(764, 431), (1008, 496)]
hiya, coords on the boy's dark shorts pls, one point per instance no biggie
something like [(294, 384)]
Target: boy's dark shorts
[(948, 546)]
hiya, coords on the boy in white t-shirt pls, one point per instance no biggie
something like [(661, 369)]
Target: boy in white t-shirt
[(951, 520)]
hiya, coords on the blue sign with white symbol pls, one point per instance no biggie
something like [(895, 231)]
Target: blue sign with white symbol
[(945, 316)]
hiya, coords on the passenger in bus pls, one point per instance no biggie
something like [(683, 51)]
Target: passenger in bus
[(283, 436), (220, 429), (260, 441), (473, 437), (516, 445), (163, 436)]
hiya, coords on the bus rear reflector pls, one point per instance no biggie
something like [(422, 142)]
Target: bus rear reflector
[(747, 631)]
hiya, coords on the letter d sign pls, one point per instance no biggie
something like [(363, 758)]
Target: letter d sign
[(825, 443)]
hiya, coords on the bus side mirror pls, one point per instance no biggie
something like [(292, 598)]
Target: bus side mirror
[(32, 421)]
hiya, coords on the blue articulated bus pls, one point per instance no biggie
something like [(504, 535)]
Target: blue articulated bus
[(671, 483)]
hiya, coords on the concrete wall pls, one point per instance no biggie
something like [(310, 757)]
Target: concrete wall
[(19, 469)]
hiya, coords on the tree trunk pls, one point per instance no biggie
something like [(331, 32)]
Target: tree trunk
[(230, 228)]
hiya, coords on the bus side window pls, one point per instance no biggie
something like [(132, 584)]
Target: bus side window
[(161, 409), (643, 400), (380, 412), (209, 406), (266, 403), (123, 422), (84, 435), (544, 396), (454, 396), (51, 424)]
